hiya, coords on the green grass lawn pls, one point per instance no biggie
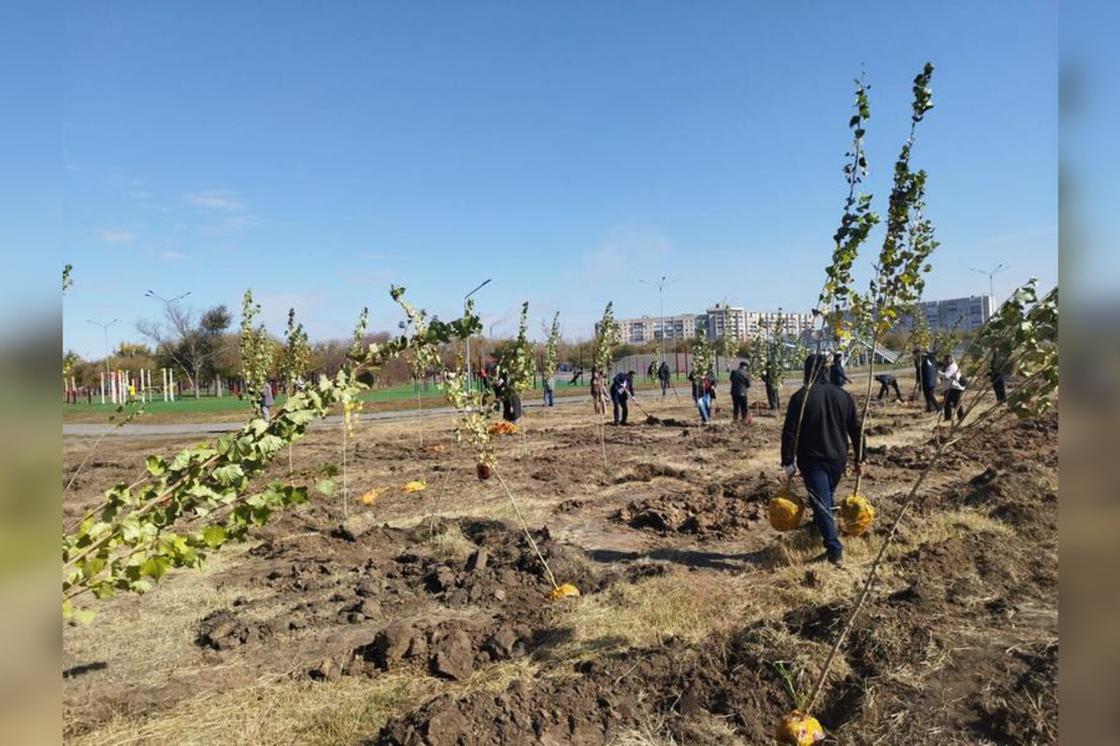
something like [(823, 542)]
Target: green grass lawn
[(405, 394)]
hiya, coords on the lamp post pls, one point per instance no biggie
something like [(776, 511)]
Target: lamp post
[(991, 279), (105, 329), (660, 308), (166, 301), (466, 298)]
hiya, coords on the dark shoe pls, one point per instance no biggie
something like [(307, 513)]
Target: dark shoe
[(836, 560)]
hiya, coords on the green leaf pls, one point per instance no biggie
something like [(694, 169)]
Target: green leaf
[(155, 465), (214, 536), (155, 567), (325, 487), (227, 475)]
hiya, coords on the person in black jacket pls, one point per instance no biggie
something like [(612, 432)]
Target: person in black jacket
[(829, 422), (622, 390), (837, 376), (997, 374), (740, 382), (772, 398), (886, 383), (664, 376), (929, 382)]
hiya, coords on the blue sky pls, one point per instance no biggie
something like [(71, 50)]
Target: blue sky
[(318, 153)]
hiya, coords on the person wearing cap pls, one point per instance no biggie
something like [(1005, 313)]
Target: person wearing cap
[(837, 375), (821, 420)]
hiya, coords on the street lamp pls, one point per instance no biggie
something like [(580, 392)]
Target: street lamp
[(166, 301), (661, 308), (991, 281), (466, 298), (105, 329)]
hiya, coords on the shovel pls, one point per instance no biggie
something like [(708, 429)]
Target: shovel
[(650, 419)]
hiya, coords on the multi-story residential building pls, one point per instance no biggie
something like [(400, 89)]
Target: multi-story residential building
[(962, 314), (719, 320), (648, 328), (757, 322), (726, 321)]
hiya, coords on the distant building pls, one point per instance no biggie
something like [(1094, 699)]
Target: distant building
[(726, 321), (717, 321), (758, 322), (962, 314)]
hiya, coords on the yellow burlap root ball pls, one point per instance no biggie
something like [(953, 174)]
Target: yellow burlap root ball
[(856, 515), (799, 729), (786, 511)]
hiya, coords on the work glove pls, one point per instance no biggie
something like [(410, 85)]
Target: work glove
[(789, 469)]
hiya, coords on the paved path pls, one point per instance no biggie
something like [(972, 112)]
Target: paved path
[(87, 429)]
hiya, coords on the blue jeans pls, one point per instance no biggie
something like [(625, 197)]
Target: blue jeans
[(704, 404), (820, 480), (549, 397)]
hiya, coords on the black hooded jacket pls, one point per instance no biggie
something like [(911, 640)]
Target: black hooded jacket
[(830, 422)]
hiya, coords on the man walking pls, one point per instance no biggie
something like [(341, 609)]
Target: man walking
[(663, 376), (549, 386), (828, 420), (266, 401), (740, 382)]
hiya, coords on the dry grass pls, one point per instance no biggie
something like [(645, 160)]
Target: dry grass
[(146, 635), (274, 712), (450, 544), (646, 613)]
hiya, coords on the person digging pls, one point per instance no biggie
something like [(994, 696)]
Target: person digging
[(828, 423)]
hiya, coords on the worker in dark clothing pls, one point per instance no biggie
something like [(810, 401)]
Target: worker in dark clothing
[(663, 376), (917, 373), (697, 381), (827, 424), (929, 382), (772, 399), (837, 376), (887, 382), (651, 371), (740, 382), (510, 399), (999, 370), (622, 390)]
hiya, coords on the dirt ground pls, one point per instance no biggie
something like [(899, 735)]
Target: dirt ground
[(425, 618)]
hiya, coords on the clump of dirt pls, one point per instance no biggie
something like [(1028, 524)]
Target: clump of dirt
[(451, 649), (224, 629), (723, 511), (698, 694), (647, 472), (1017, 493)]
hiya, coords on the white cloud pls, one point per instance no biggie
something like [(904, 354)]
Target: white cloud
[(216, 199), (115, 235), (625, 248)]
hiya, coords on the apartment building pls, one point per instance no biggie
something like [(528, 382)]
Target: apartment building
[(963, 314), (757, 322)]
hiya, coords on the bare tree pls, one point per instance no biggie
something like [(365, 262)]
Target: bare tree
[(185, 343)]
